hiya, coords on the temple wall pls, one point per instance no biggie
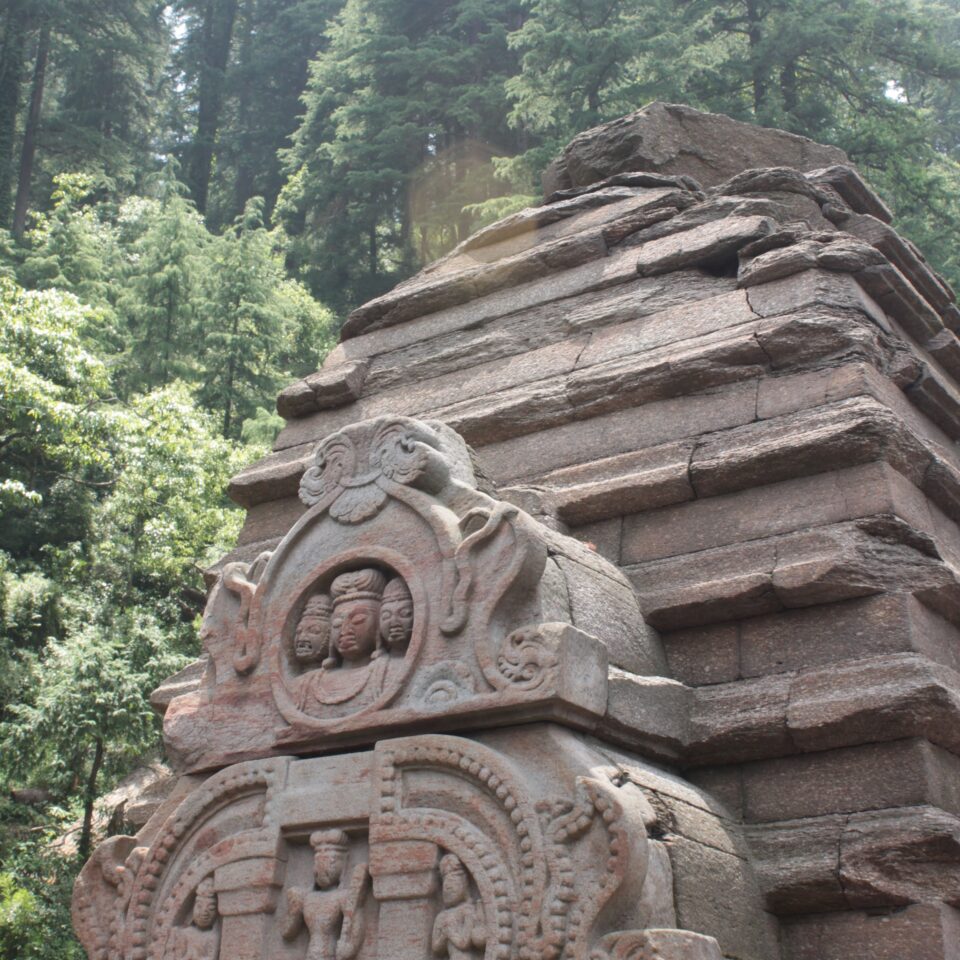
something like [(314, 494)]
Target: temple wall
[(746, 398)]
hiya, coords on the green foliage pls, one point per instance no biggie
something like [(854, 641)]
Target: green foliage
[(404, 110), (52, 417), (35, 883), (250, 313), (19, 930), (112, 511), (164, 276)]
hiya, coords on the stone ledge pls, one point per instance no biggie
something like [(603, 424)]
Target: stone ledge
[(881, 858), (824, 564), (846, 780), (810, 637), (890, 697), (335, 387), (434, 290)]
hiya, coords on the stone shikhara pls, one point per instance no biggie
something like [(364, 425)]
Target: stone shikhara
[(435, 717)]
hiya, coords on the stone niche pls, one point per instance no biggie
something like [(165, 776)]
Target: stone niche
[(406, 599)]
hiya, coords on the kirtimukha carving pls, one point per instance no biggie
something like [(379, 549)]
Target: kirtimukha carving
[(332, 915)]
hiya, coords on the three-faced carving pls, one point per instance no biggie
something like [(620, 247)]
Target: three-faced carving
[(403, 593), (348, 639)]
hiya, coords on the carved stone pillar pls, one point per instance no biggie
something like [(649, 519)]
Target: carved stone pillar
[(247, 894), (404, 883)]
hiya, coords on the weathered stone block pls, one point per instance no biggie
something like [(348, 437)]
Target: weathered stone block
[(705, 655), (920, 932), (713, 884), (816, 636), (852, 779), (672, 139), (709, 245)]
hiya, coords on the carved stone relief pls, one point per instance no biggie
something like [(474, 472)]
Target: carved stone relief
[(460, 928), (200, 939), (403, 601), (426, 846), (331, 911), (402, 594)]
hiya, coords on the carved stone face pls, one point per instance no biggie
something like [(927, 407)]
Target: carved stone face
[(396, 622), (306, 648), (328, 864), (354, 628), (205, 908), (311, 642), (454, 887)]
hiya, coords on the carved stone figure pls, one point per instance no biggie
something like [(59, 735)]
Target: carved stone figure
[(311, 642), (201, 939), (350, 670), (356, 614), (460, 929), (332, 915), (396, 615)]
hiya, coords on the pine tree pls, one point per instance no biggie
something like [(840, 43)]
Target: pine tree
[(274, 43), (254, 319), (403, 111), (164, 291)]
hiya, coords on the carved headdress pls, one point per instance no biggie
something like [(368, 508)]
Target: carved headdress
[(396, 591), (450, 864), (365, 584), (329, 840)]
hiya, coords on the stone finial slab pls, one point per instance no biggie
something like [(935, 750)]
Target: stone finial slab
[(672, 139), (404, 599)]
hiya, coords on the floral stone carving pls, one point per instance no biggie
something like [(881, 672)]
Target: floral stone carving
[(403, 594), (425, 846)]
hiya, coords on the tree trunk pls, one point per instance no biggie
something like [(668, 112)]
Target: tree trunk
[(89, 798), (758, 75), (29, 151), (11, 80), (244, 185), (216, 35), (788, 86)]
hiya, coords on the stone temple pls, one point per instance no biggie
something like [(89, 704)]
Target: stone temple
[(599, 600)]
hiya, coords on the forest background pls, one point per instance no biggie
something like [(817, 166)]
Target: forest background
[(192, 197)]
